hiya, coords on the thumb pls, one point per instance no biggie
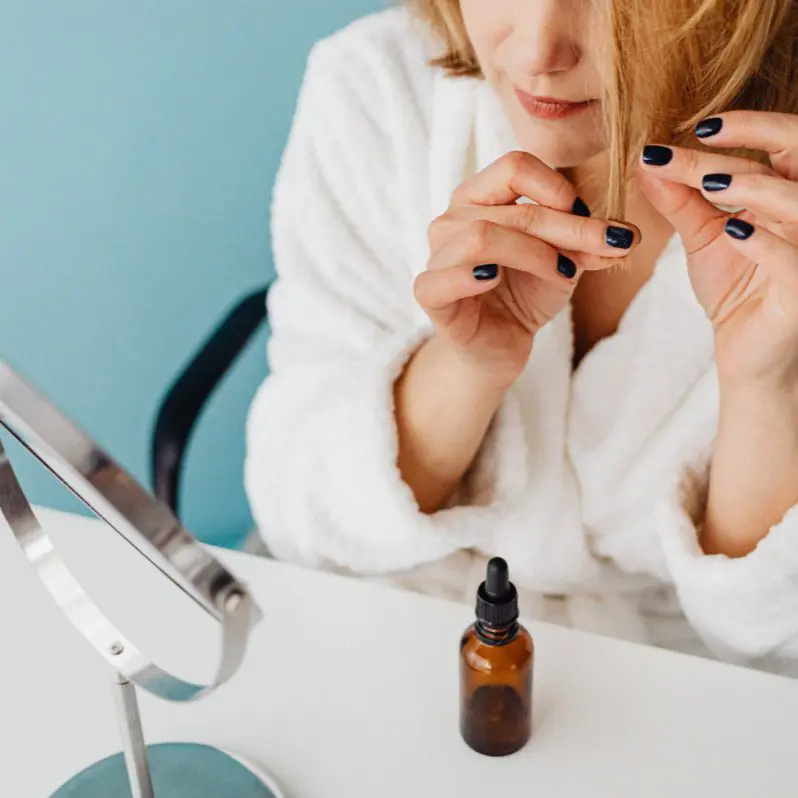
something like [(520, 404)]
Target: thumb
[(696, 220)]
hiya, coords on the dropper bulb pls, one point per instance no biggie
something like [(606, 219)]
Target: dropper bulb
[(497, 579)]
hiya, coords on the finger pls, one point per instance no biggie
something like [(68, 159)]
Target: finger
[(776, 134), (754, 130), (689, 166), (696, 220), (765, 195), (777, 257), (483, 241), (562, 230), (516, 175), (435, 290)]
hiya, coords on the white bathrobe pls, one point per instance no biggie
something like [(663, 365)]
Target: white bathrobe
[(590, 483)]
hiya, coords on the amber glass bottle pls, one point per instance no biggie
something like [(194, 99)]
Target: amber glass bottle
[(496, 664)]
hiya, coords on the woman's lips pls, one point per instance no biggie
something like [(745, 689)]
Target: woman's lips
[(550, 107)]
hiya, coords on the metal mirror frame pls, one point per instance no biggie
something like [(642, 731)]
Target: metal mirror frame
[(146, 524)]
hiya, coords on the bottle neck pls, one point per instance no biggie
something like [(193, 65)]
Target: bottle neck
[(496, 635)]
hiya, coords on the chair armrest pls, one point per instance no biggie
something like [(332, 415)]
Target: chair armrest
[(191, 390)]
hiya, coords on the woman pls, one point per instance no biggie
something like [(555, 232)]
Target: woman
[(460, 368)]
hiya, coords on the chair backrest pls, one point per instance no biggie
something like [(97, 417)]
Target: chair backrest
[(139, 143)]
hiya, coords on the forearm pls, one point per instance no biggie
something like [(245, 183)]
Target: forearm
[(444, 407), (754, 475)]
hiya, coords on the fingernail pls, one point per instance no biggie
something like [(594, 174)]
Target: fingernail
[(708, 127), (566, 267), (739, 229), (580, 208), (488, 271), (717, 182), (657, 155), (619, 237)]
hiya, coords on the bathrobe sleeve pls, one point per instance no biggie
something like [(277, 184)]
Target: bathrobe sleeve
[(321, 471), (744, 609)]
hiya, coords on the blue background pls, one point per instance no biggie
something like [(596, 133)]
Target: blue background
[(139, 143)]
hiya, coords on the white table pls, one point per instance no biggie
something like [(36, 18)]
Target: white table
[(350, 689)]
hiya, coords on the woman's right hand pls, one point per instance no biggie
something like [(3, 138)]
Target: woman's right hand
[(499, 270)]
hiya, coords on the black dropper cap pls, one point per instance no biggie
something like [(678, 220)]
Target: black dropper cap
[(497, 598)]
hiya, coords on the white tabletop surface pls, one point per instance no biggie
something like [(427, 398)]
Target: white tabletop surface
[(350, 689)]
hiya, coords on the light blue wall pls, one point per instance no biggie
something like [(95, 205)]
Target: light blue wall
[(138, 144)]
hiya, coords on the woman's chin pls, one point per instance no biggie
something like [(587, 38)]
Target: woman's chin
[(559, 155), (560, 147)]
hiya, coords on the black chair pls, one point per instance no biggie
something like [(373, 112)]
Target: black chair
[(185, 399)]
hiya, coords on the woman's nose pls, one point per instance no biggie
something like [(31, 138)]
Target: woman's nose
[(545, 39), (546, 54)]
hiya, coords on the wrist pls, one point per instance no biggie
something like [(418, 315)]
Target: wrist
[(778, 377), (770, 408), (781, 392), (488, 377)]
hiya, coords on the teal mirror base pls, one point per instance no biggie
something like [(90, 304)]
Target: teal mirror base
[(179, 770)]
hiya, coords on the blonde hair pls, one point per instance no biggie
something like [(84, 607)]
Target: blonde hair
[(670, 64)]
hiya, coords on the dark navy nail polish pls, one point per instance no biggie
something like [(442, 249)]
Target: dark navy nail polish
[(657, 155), (708, 127), (580, 208), (619, 237), (739, 229), (488, 271), (717, 182), (566, 267)]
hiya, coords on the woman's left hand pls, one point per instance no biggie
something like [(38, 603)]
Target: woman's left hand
[(743, 266)]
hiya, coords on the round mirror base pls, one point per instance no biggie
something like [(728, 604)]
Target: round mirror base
[(179, 770)]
